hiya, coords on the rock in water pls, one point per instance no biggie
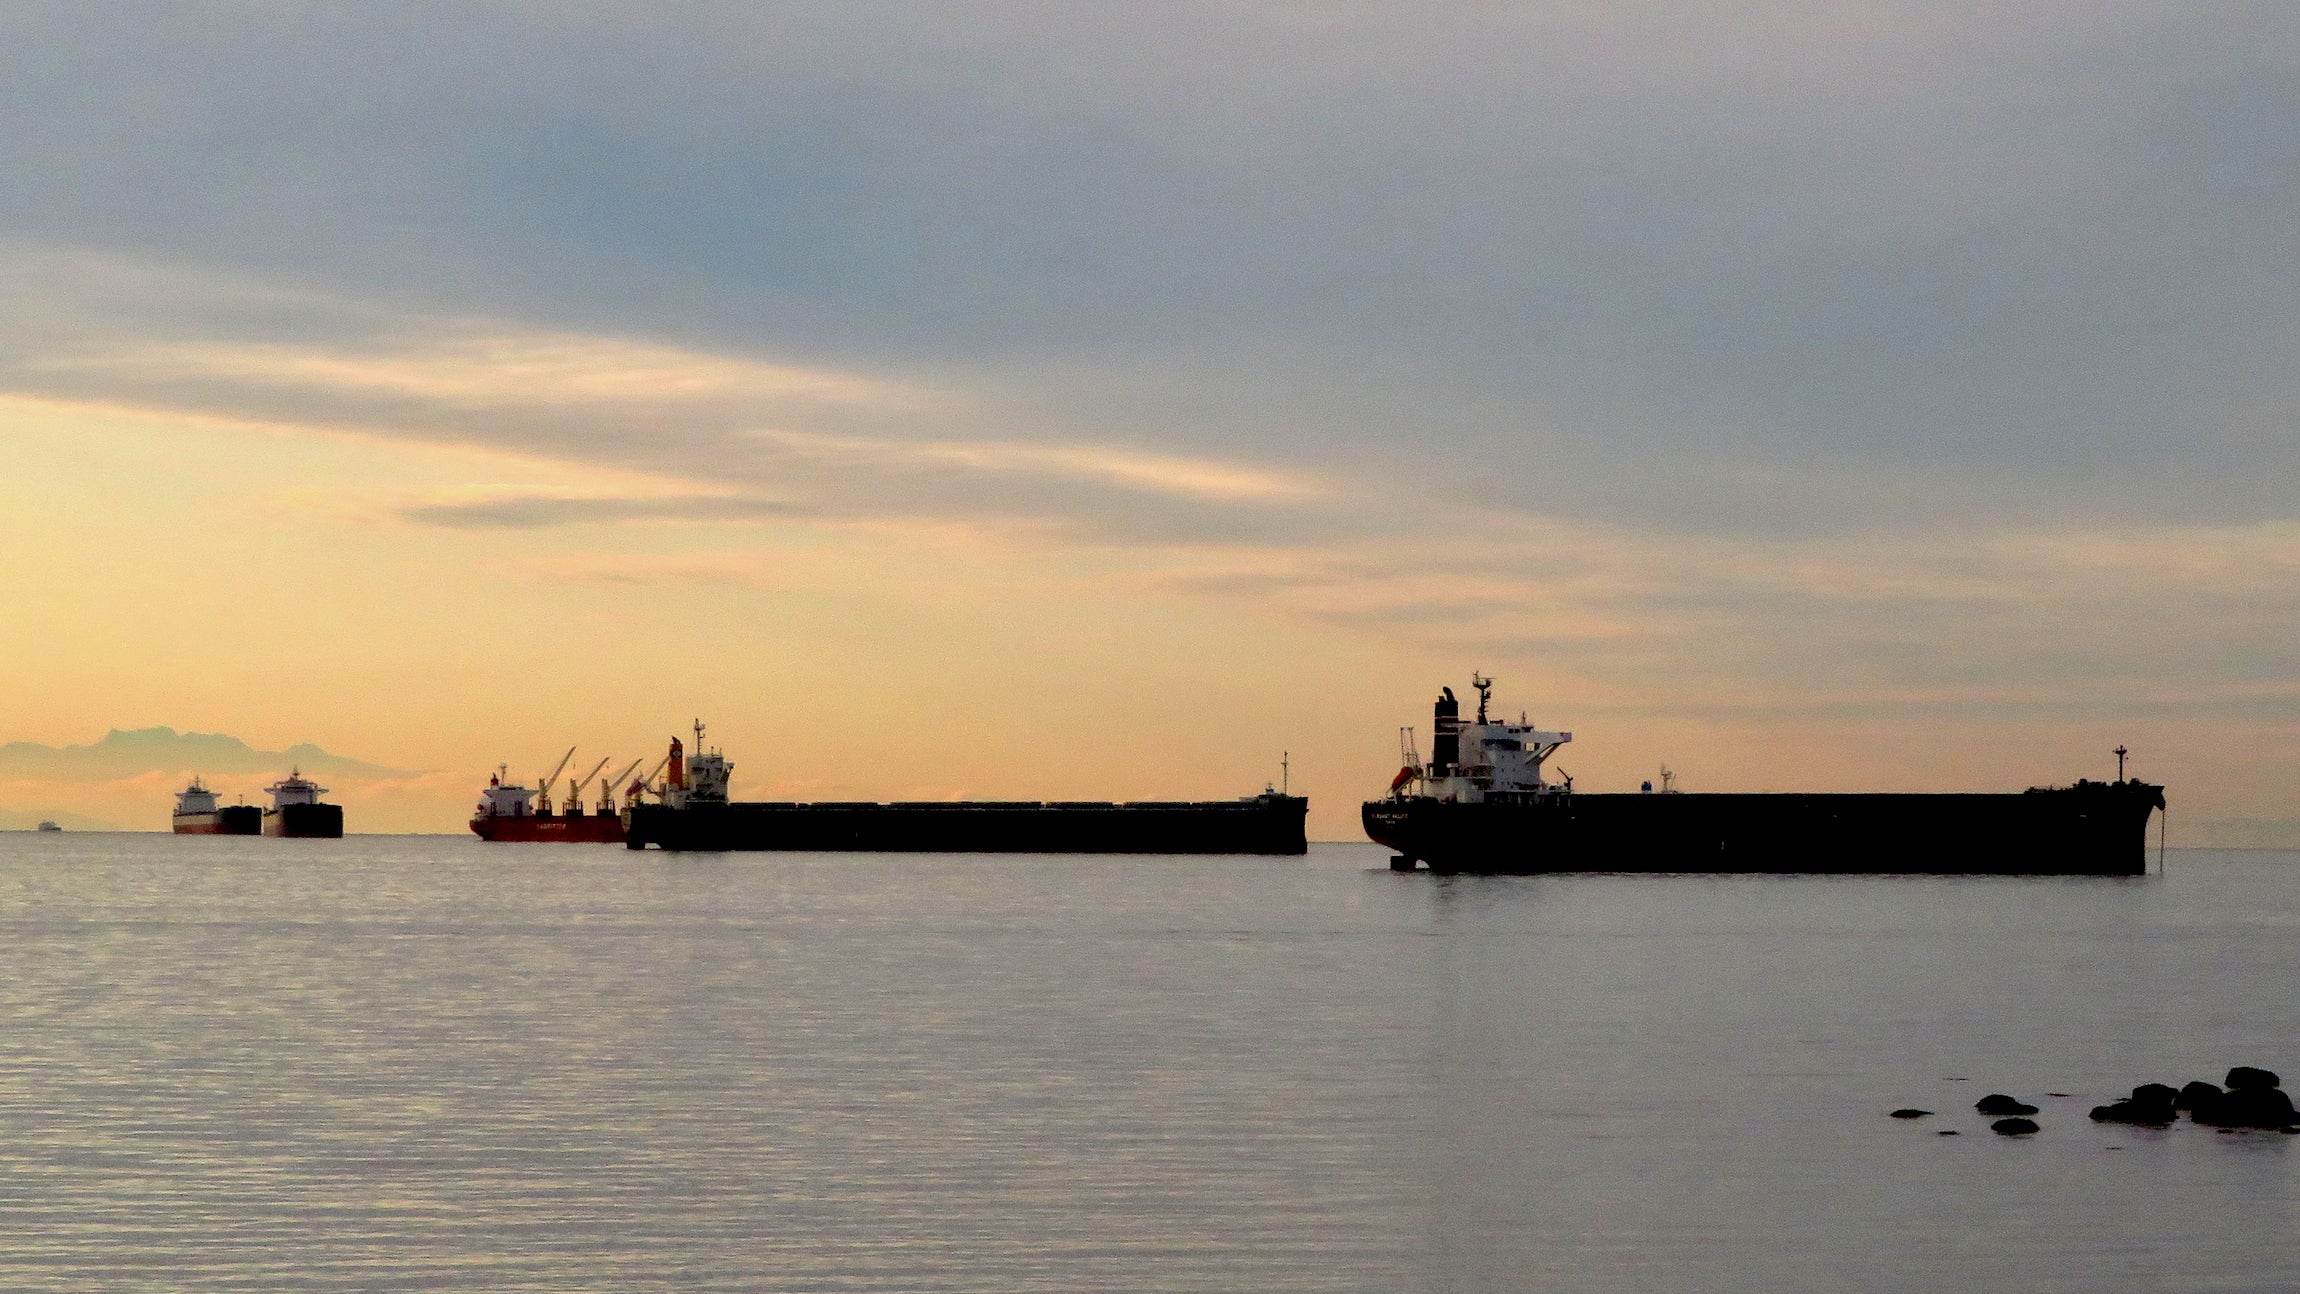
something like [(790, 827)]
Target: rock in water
[(2137, 1113), (2195, 1096), (2012, 1127), (1911, 1114), (2149, 1106), (2248, 1107), (2246, 1078), (1999, 1103)]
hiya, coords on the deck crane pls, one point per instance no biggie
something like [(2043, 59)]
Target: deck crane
[(647, 783), (607, 789), (575, 786), (543, 788)]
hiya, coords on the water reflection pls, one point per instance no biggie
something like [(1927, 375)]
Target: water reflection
[(427, 1063)]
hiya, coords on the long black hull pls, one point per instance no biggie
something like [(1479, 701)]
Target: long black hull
[(1270, 824), (2090, 829), (305, 821)]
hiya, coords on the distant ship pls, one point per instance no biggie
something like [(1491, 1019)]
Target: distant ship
[(1483, 804), (509, 812), (49, 826), (693, 812), (297, 812), (198, 814)]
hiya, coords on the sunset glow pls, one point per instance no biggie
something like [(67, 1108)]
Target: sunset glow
[(1071, 410)]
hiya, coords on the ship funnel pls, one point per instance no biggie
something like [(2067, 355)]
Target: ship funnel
[(676, 777), (1445, 745)]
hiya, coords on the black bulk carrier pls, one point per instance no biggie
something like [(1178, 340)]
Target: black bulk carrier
[(1481, 804), (692, 811)]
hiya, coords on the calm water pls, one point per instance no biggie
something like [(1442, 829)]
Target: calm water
[(429, 1064)]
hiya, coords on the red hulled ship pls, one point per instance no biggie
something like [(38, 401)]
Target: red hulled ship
[(511, 813), (198, 814)]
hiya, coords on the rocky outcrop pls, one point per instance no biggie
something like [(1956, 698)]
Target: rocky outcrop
[(2252, 1098), (2149, 1106), (2248, 1107)]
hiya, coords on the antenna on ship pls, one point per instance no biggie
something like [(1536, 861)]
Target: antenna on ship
[(698, 736), (2120, 754), (1285, 772), (1484, 688)]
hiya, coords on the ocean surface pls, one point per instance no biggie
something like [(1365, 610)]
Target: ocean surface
[(426, 1063)]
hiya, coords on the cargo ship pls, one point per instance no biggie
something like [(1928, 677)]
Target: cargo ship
[(692, 811), (1482, 804), (296, 810), (511, 813), (198, 814)]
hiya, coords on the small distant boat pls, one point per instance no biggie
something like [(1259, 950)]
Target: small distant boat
[(49, 826), (297, 812), (198, 814)]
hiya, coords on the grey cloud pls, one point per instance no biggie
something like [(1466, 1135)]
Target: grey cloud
[(538, 512), (731, 436), (1591, 258), (1711, 277)]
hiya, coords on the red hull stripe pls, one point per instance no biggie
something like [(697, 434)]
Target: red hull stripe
[(590, 829)]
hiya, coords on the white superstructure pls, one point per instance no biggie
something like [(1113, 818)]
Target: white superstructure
[(504, 799), (295, 789), (195, 798), (1483, 758), (697, 779)]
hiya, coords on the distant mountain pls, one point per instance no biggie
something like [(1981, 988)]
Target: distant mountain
[(164, 750)]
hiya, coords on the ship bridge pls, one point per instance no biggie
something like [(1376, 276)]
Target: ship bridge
[(1470, 761)]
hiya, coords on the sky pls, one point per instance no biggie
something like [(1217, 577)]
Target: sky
[(1107, 401)]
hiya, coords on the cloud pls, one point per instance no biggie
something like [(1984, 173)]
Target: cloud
[(1782, 265), (2011, 622), (1932, 611), (1151, 473), (708, 436), (489, 370), (531, 512), (1771, 359)]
